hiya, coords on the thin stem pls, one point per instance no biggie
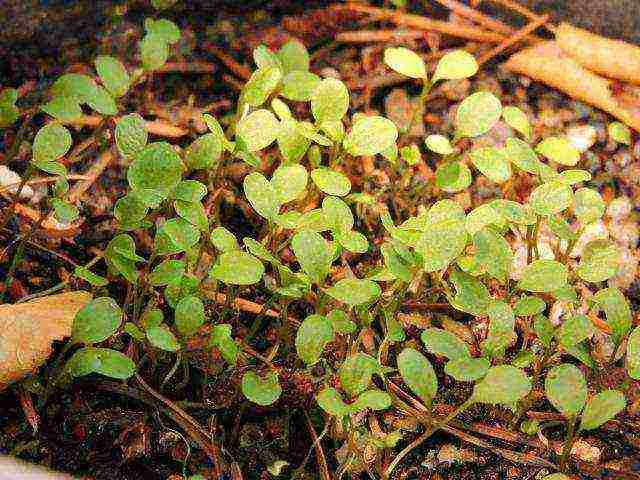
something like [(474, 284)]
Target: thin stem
[(434, 428), (568, 443)]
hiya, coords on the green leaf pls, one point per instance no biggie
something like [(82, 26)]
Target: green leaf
[(259, 250), (264, 57), (561, 228), (353, 291), (331, 182), (517, 120), (175, 236), (453, 176), (189, 315), (113, 75), (204, 152), (263, 197), (237, 268), (411, 154), (331, 402), (151, 317), (492, 163), (467, 369), (175, 292), (330, 100), (222, 340), (51, 142), (528, 306), (157, 167), (262, 83), (501, 329), (370, 135), (559, 150), (193, 213), (101, 360), (373, 399), (483, 216), (165, 30), (96, 321), (439, 144), (574, 330), (289, 182), (338, 215), (551, 198), (63, 108), (406, 62), (443, 343), (340, 321), (617, 311), (294, 57), (395, 263), (153, 52), (602, 408), (514, 212), (522, 156), (313, 253), (502, 384), (566, 389), (354, 242), (633, 354), (167, 272), (259, 129), (543, 276), (89, 276), (121, 258), (291, 143), (455, 65), (64, 211), (418, 374), (130, 211), (477, 114), (471, 294), (600, 260), (312, 336), (223, 239), (494, 253), (299, 86), (131, 135), (588, 205), (8, 111), (544, 330), (356, 372), (442, 243), (620, 133), (261, 390), (162, 338), (573, 176)]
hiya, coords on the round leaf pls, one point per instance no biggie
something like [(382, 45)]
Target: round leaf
[(455, 65), (131, 134), (543, 276), (441, 243), (103, 361), (620, 133), (559, 150), (566, 389), (313, 253), (600, 261), (157, 167), (237, 268), (204, 152), (113, 75), (330, 100), (517, 120), (588, 205), (331, 182), (261, 390), (550, 198), (492, 163), (312, 336), (405, 62), (467, 369), (353, 291), (371, 135), (443, 343), (418, 374), (477, 114), (96, 321), (259, 129), (502, 384), (261, 84), (262, 195), (299, 86), (439, 144), (453, 176), (175, 236), (602, 408), (162, 338), (51, 142), (289, 182), (189, 315)]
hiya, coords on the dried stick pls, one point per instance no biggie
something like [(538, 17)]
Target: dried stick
[(519, 35), (238, 69), (367, 36), (186, 67), (424, 23), (93, 173), (160, 128)]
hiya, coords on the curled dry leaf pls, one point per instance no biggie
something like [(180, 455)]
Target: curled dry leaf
[(573, 70), (28, 329)]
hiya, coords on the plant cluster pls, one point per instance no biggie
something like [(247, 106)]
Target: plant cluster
[(444, 253)]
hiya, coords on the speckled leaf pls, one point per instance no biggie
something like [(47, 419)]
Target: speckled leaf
[(330, 100), (566, 389), (259, 129), (492, 163), (467, 369), (455, 65), (370, 135), (261, 390), (113, 75), (471, 294), (543, 276), (313, 253), (522, 155), (588, 205), (600, 260), (602, 408), (353, 291), (444, 343), (289, 182), (502, 384), (494, 253), (356, 372), (175, 236), (237, 268), (312, 336), (299, 86), (189, 315), (331, 402), (477, 114), (261, 84), (550, 198), (559, 150), (418, 374), (157, 167), (161, 337), (442, 243), (262, 195), (331, 182), (453, 176), (131, 134), (517, 120), (51, 142)]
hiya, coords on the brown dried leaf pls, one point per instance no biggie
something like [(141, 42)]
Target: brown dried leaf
[(28, 329)]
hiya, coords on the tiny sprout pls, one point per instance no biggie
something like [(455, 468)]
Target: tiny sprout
[(261, 390)]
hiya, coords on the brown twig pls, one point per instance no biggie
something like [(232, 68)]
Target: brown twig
[(517, 36), (370, 36), (238, 69), (320, 458), (186, 67), (424, 23), (93, 173), (160, 128)]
